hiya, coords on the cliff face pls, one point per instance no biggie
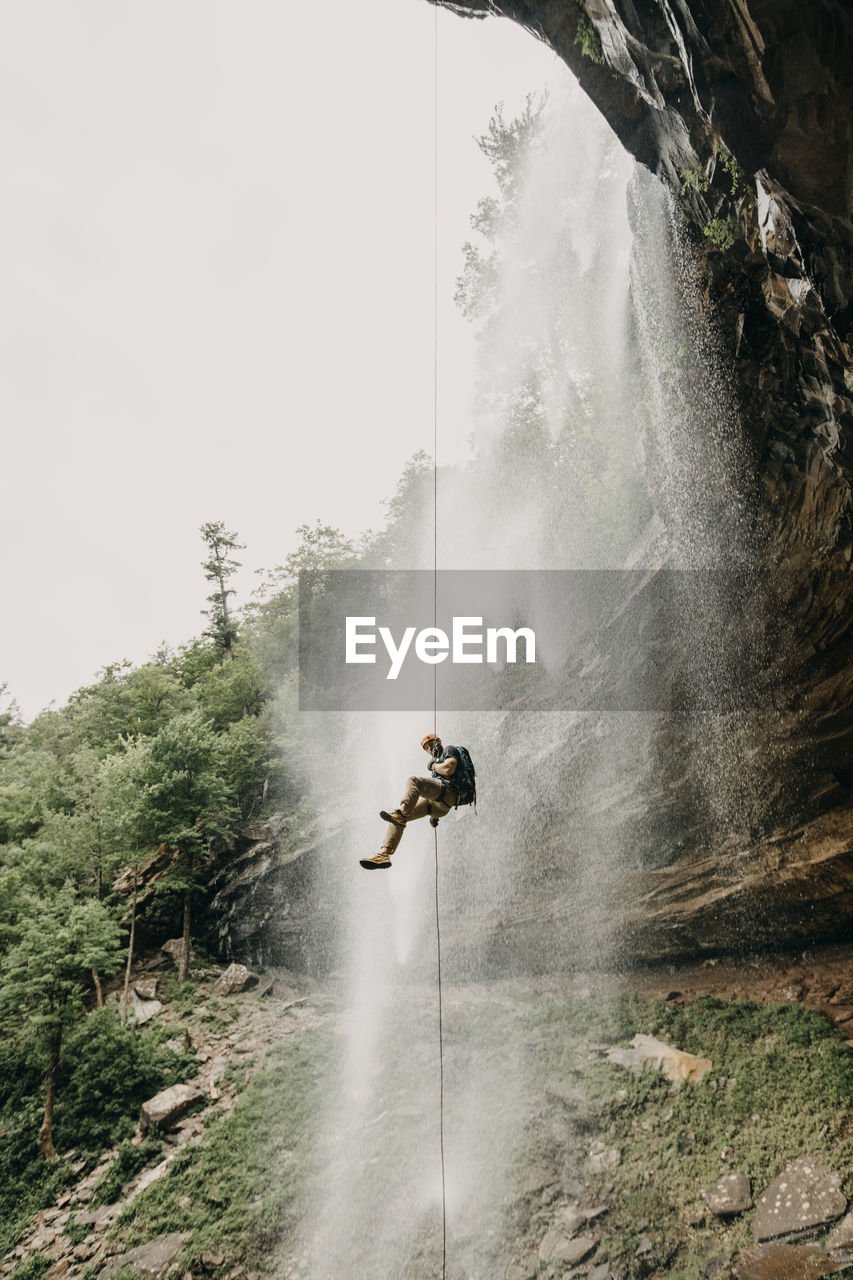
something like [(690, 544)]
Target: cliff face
[(745, 107)]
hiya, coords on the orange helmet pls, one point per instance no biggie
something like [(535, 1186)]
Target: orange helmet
[(429, 737)]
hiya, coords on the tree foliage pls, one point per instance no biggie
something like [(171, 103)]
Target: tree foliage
[(219, 568)]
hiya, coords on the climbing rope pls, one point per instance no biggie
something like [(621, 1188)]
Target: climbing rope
[(435, 624), (440, 1072)]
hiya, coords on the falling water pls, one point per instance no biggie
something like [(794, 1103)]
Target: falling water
[(594, 450)]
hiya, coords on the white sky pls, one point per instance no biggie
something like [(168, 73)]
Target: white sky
[(216, 247)]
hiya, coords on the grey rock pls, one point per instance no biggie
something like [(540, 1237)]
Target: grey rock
[(168, 1106), (602, 1158), (535, 1178), (43, 1237), (142, 1011), (148, 1260), (236, 978), (570, 1218), (807, 1194), (729, 1195), (145, 1179), (783, 1262), (556, 1246), (86, 1217), (841, 1235), (174, 948), (646, 1051), (146, 988)]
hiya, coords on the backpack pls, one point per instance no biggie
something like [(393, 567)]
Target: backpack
[(464, 780)]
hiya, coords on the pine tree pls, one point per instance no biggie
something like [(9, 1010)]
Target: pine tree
[(218, 569)]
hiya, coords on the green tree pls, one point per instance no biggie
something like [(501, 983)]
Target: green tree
[(11, 724), (60, 939), (186, 803), (401, 544), (218, 569), (120, 797), (275, 603), (506, 145)]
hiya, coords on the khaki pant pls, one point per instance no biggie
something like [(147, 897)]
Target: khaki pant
[(420, 799)]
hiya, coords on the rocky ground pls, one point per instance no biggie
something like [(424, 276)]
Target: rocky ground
[(821, 980), (229, 1019), (691, 1122)]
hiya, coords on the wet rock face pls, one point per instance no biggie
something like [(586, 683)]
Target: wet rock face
[(768, 78), (745, 110), (270, 901)]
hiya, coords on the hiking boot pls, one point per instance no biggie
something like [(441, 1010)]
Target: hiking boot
[(396, 816), (381, 859)]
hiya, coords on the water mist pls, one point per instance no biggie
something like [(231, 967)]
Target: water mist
[(593, 452)]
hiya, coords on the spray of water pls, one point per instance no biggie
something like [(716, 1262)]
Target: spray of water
[(601, 418)]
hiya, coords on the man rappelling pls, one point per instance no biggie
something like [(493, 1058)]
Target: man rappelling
[(451, 782)]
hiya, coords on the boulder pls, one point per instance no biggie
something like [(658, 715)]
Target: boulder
[(646, 1051), (146, 988), (142, 1011), (167, 1107), (556, 1246), (729, 1195), (807, 1194), (148, 1260), (603, 1159), (235, 978), (783, 1262), (174, 948)]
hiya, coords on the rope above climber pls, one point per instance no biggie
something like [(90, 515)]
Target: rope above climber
[(451, 782)]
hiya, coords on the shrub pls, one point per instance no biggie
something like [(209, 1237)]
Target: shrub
[(108, 1072)]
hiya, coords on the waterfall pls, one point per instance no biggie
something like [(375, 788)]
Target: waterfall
[(589, 456)]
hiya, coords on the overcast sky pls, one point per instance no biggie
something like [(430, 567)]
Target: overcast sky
[(217, 264)]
